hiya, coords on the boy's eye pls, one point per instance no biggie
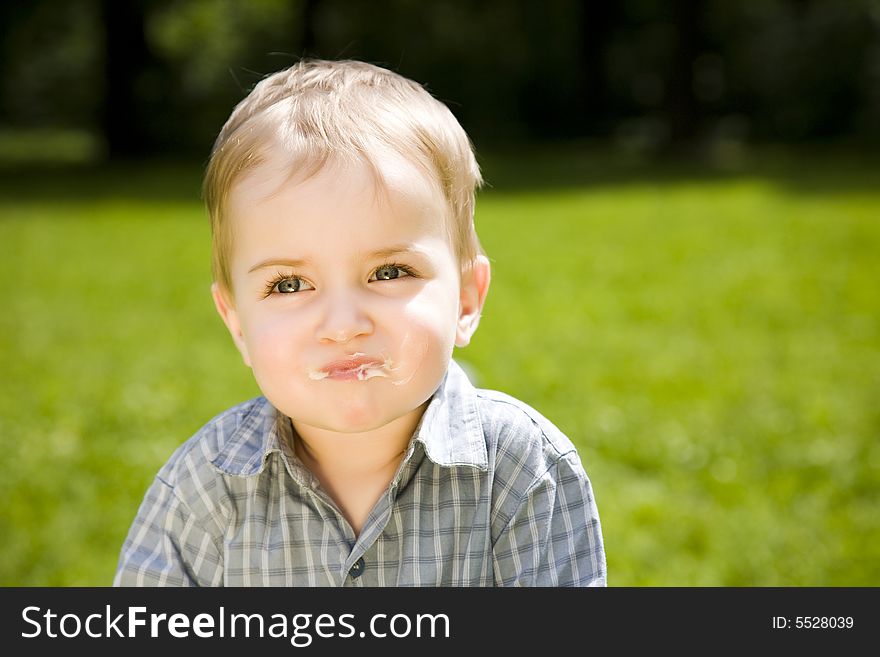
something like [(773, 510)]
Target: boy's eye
[(289, 285), (389, 272)]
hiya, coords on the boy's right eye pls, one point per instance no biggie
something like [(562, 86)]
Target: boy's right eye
[(287, 285)]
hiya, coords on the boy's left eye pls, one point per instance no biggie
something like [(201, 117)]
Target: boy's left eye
[(389, 272)]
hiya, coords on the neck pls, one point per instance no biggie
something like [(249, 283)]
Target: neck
[(329, 454)]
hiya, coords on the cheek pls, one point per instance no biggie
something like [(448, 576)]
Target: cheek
[(426, 329), (435, 307), (271, 341)]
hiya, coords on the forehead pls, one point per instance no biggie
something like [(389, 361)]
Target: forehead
[(337, 190)]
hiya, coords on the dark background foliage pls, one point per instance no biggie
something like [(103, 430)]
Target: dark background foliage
[(152, 77)]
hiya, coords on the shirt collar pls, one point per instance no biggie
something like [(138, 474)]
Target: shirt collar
[(450, 429), (450, 432), (258, 434)]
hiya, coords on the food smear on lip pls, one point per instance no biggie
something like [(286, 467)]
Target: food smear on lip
[(353, 370)]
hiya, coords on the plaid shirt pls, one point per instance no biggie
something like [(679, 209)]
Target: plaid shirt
[(489, 493)]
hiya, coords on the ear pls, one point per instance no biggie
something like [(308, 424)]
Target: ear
[(474, 287), (226, 309)]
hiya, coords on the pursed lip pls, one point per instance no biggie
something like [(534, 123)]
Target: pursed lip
[(357, 366)]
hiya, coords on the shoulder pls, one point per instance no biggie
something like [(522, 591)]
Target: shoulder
[(513, 427), (533, 464), (231, 440)]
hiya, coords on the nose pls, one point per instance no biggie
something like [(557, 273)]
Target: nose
[(343, 318)]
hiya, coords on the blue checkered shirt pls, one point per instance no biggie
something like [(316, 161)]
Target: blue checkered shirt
[(489, 493)]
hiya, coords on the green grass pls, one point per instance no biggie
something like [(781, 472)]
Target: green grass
[(710, 340)]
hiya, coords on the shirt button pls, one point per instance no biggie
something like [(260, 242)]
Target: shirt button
[(357, 569)]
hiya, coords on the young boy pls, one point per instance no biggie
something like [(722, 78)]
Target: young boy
[(346, 269)]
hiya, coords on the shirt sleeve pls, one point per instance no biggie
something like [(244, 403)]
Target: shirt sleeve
[(554, 537), (167, 546)]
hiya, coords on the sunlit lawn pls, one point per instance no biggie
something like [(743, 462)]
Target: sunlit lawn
[(710, 342)]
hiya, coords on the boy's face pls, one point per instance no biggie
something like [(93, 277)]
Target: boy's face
[(346, 299)]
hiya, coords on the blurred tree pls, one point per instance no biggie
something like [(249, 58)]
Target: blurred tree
[(595, 22), (309, 39), (216, 50), (804, 66), (129, 66), (49, 63), (683, 111)]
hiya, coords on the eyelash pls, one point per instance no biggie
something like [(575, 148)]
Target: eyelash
[(281, 276)]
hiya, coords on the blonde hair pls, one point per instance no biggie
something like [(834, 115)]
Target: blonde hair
[(320, 110)]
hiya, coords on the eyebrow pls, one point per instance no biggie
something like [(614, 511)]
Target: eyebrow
[(397, 249), (388, 252), (275, 262)]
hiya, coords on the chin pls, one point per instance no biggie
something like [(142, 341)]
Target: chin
[(353, 407), (351, 425), (344, 417)]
